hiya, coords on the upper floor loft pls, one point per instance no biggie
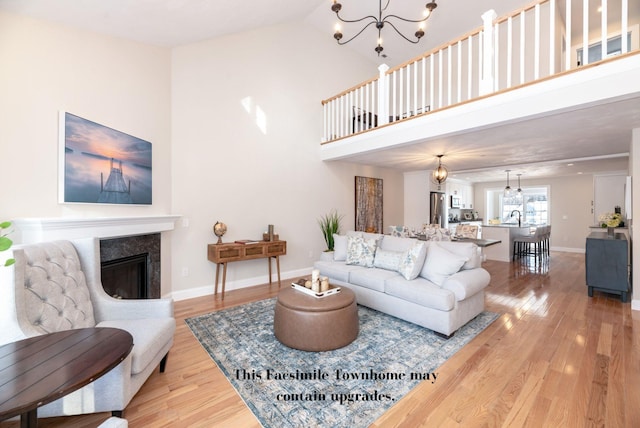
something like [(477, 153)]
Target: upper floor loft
[(549, 57)]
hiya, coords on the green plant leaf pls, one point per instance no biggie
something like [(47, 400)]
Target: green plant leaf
[(5, 243), (330, 224), (9, 262), (5, 225)]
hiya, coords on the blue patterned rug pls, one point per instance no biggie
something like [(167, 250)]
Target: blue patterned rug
[(349, 387)]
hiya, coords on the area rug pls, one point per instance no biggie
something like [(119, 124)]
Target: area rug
[(348, 387)]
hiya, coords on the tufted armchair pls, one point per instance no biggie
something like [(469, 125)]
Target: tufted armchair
[(58, 287)]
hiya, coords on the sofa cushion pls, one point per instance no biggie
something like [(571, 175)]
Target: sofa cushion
[(389, 260), (421, 292), (366, 235), (336, 270), (412, 260), (394, 243), (361, 251), (467, 283), (373, 278), (464, 249), (339, 247), (150, 335), (441, 263)]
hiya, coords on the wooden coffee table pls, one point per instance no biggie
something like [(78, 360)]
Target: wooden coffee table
[(41, 369)]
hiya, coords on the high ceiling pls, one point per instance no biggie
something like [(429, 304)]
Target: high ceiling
[(601, 133)]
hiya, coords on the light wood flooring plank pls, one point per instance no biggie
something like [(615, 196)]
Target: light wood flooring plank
[(555, 357)]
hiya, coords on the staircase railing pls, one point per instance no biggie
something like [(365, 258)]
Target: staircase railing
[(542, 39)]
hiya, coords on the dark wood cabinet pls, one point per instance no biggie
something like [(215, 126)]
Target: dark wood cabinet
[(607, 267)]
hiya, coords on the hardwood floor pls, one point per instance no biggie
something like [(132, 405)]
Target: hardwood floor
[(554, 358)]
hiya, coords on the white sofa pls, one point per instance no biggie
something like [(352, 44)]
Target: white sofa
[(436, 284), (58, 287)]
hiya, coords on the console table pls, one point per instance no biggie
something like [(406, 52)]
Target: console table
[(221, 254), (606, 264), (41, 369)]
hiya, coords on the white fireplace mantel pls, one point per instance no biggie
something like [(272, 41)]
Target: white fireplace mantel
[(32, 230)]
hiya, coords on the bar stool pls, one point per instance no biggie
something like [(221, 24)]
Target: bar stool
[(522, 244)]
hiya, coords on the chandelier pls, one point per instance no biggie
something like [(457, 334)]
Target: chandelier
[(440, 174), (380, 21)]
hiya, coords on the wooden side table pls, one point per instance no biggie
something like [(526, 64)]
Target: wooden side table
[(41, 369), (221, 254)]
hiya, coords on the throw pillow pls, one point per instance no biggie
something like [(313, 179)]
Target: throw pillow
[(339, 247), (441, 264), (361, 251), (412, 261), (389, 260)]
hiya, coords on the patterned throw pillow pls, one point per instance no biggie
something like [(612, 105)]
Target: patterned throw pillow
[(412, 261), (389, 260), (361, 251)]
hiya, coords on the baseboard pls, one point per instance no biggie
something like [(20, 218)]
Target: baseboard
[(568, 250), (208, 290), (635, 304)]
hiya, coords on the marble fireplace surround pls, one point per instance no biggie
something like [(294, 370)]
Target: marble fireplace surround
[(130, 232)]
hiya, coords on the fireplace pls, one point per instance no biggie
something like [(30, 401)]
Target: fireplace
[(130, 266), (126, 277)]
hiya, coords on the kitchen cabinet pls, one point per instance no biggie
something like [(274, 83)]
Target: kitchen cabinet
[(606, 264), (463, 191)]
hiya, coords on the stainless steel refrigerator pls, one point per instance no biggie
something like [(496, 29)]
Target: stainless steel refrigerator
[(438, 209)]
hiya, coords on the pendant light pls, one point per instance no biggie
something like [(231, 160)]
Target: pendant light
[(440, 174), (519, 193), (508, 191)]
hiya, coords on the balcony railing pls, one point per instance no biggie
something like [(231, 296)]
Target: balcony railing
[(543, 39)]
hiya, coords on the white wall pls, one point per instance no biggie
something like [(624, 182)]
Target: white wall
[(416, 198), (227, 168), (216, 164), (46, 68), (570, 207)]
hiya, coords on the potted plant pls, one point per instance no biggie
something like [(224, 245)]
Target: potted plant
[(5, 243), (329, 224)]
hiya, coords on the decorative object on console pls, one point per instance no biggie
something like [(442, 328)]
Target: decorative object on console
[(440, 174), (219, 229), (613, 219), (368, 204), (380, 21), (88, 150)]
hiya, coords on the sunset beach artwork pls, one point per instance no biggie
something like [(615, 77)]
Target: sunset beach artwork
[(102, 165)]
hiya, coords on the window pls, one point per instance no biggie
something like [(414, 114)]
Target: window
[(614, 47), (533, 207)]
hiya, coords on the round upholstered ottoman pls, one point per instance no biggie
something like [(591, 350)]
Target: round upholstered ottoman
[(304, 322)]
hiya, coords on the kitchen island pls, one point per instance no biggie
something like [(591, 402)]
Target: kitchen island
[(505, 233)]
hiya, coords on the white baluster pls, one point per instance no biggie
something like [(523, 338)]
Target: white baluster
[(522, 47), (536, 43), (585, 32), (567, 25), (625, 23), (509, 50), (552, 37), (469, 68), (383, 94), (603, 33), (487, 81), (459, 49), (431, 81)]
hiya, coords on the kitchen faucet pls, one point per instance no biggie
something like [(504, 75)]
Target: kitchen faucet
[(519, 217)]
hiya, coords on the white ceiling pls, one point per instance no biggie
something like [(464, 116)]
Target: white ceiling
[(593, 139)]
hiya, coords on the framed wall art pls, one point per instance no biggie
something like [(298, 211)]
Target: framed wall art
[(100, 165), (368, 204)]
